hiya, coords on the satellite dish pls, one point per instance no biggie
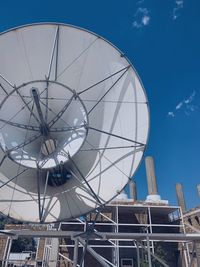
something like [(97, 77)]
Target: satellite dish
[(74, 122)]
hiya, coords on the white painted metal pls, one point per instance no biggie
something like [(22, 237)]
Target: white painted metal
[(118, 238), (100, 134)]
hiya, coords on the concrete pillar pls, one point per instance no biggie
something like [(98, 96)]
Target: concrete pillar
[(151, 177), (180, 197), (133, 190), (198, 189)]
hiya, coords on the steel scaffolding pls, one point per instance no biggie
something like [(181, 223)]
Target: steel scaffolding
[(120, 235)]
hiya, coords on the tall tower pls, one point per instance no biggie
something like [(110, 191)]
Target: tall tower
[(180, 197), (133, 190), (151, 180), (198, 189)]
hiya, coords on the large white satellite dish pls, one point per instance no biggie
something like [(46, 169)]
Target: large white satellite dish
[(74, 122)]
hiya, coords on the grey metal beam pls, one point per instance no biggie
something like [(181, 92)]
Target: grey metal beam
[(93, 253), (153, 255), (138, 254), (11, 179), (75, 256), (103, 80), (149, 252), (20, 125), (61, 112), (117, 136), (108, 235), (109, 89)]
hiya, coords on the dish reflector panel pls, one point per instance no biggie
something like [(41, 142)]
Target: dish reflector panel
[(74, 122)]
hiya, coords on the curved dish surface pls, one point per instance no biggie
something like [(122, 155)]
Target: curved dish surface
[(74, 122)]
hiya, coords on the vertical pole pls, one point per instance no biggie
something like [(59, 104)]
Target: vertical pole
[(138, 254), (151, 230), (149, 252), (185, 253), (192, 257), (114, 216), (117, 215), (7, 251), (185, 250), (75, 257), (84, 251), (196, 247)]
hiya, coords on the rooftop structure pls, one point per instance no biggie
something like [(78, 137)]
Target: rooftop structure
[(125, 233)]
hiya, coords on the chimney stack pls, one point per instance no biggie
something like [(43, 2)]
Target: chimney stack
[(151, 177), (198, 189), (151, 181), (133, 190), (180, 197)]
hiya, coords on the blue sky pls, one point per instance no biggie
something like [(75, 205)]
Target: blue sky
[(162, 39)]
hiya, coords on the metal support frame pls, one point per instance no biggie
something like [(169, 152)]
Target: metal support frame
[(149, 237), (116, 238), (150, 254), (7, 251), (117, 241), (138, 253), (93, 253), (75, 257), (186, 248), (192, 257)]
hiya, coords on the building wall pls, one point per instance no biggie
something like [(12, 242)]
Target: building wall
[(192, 225)]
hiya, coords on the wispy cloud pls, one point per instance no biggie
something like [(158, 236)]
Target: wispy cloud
[(190, 98), (177, 9), (179, 105), (141, 17), (186, 105), (140, 2), (171, 114)]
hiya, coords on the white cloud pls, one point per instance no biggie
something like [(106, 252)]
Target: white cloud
[(185, 105), (171, 114), (190, 98), (140, 2), (141, 17), (145, 20), (179, 105), (177, 9)]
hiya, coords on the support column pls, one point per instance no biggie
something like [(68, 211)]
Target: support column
[(153, 195), (197, 249), (138, 254), (149, 252), (75, 257), (151, 177), (180, 197), (133, 190)]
